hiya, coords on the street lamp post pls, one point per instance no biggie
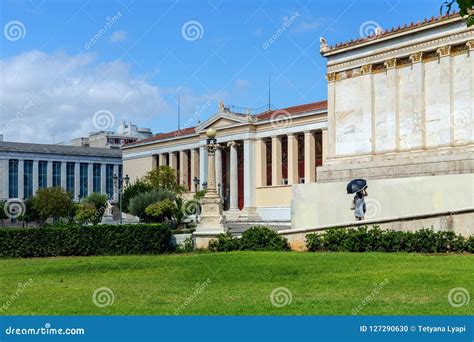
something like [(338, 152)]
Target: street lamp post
[(119, 180), (196, 183)]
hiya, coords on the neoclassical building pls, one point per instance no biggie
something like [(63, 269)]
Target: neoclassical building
[(399, 112), (260, 157)]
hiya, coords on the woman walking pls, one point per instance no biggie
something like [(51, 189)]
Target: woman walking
[(359, 204)]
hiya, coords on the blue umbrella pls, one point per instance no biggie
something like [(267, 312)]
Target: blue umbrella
[(356, 185)]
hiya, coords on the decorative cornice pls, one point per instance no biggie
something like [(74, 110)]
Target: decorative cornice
[(331, 77), (444, 51), (391, 63), (453, 39), (366, 69), (416, 57)]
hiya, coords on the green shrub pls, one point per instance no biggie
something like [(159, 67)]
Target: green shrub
[(225, 243), (84, 240), (140, 202), (86, 213), (137, 187), (161, 211), (363, 239), (53, 203), (99, 201), (261, 238)]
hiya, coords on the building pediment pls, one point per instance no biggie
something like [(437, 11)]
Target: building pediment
[(222, 120)]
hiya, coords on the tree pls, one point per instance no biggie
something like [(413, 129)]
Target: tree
[(465, 9), (163, 177), (53, 203), (161, 211), (139, 186), (99, 203), (140, 202), (3, 216), (86, 213)]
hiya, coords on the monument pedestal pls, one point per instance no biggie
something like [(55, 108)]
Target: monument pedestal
[(211, 223)]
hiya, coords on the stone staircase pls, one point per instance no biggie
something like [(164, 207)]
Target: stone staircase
[(237, 227)]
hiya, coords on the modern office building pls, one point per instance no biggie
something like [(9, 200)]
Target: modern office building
[(24, 168), (126, 134)]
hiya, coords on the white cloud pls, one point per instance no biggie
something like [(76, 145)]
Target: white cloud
[(56, 95), (118, 36), (242, 84), (45, 96)]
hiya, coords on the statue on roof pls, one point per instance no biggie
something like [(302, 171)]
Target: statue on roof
[(323, 45), (221, 106)]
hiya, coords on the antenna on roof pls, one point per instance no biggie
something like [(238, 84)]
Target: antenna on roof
[(179, 112), (269, 92)]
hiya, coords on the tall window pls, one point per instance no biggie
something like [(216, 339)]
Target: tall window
[(56, 173), (83, 179), (13, 178), (70, 174), (28, 179), (96, 178), (42, 174), (109, 180)]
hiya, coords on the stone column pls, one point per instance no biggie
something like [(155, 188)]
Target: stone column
[(309, 157), (331, 78), (249, 210), (219, 170), (194, 165), (418, 138), (103, 178), (49, 179), (4, 175), (64, 174), (21, 178), (90, 179), (276, 161), (261, 161), (116, 172), (35, 176), (368, 103), (324, 142), (234, 195), (470, 131), (203, 165), (77, 180), (173, 160), (446, 88), (392, 119), (293, 177), (183, 169), (162, 159)]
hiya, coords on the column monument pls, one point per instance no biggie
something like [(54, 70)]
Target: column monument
[(211, 222)]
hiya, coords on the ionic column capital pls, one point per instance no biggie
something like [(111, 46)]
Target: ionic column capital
[(232, 144), (470, 44), (417, 57), (331, 77), (444, 51), (366, 69), (391, 63)]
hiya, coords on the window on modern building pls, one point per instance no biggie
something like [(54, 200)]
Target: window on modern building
[(42, 174), (109, 180), (27, 179), (96, 178), (83, 180), (56, 173), (70, 174), (13, 178)]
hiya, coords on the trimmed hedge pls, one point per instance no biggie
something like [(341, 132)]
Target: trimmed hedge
[(84, 240), (363, 239), (257, 238)]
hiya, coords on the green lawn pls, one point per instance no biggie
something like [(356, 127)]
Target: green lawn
[(240, 283)]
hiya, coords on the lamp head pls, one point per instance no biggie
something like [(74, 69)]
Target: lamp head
[(211, 133)]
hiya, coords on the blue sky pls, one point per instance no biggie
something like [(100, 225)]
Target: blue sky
[(56, 75)]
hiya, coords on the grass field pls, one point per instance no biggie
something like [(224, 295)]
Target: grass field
[(238, 283)]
